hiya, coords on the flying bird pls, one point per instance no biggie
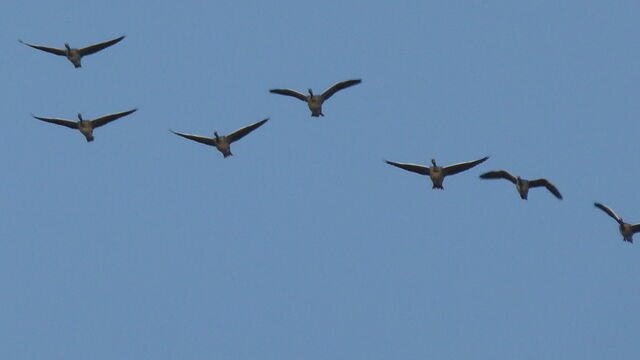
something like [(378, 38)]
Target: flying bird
[(435, 172), (522, 185), (223, 143), (626, 230), (86, 126), (315, 101), (75, 54)]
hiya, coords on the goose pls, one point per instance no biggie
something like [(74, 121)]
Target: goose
[(522, 185), (435, 172), (86, 126), (626, 230), (223, 143), (75, 54), (315, 101)]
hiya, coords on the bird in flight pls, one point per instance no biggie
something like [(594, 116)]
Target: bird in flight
[(626, 230), (315, 101), (435, 172), (86, 126), (75, 54), (223, 143), (522, 185)]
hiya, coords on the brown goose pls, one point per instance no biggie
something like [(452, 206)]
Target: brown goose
[(75, 54), (223, 143), (626, 230), (315, 101), (435, 172), (522, 185), (86, 126)]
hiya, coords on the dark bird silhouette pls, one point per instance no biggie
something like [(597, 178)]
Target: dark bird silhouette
[(522, 185), (86, 126), (223, 143), (75, 54), (626, 230), (315, 101), (435, 172)]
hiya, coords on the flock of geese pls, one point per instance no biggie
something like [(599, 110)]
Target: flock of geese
[(314, 102)]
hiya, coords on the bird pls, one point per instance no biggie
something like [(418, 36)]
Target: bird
[(315, 101), (435, 172), (75, 54), (522, 185), (223, 143), (626, 230), (86, 126)]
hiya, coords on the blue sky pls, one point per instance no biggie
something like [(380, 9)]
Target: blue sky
[(305, 244)]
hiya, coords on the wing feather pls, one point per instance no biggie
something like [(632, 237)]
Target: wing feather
[(200, 139), (546, 183), (63, 122), (456, 168), (240, 133), (609, 212), (88, 50), (52, 50), (339, 86), (498, 174), (109, 118), (289, 92), (422, 170)]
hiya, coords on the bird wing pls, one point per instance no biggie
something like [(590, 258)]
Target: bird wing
[(635, 228), (456, 168), (546, 183), (240, 133), (200, 139), (61, 52), (423, 170), (339, 86), (289, 92), (610, 212), (63, 122), (109, 118), (498, 174), (88, 50)]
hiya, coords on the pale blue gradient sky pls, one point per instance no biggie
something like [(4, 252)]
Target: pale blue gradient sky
[(304, 244)]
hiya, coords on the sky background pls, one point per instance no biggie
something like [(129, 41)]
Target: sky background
[(305, 244)]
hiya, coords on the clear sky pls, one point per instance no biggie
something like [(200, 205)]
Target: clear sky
[(305, 244)]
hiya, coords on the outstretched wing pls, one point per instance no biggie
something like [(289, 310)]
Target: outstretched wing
[(498, 174), (88, 50), (289, 92), (61, 52), (609, 212), (422, 170), (456, 168), (109, 118), (63, 122), (200, 139), (240, 133), (339, 86), (546, 183)]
